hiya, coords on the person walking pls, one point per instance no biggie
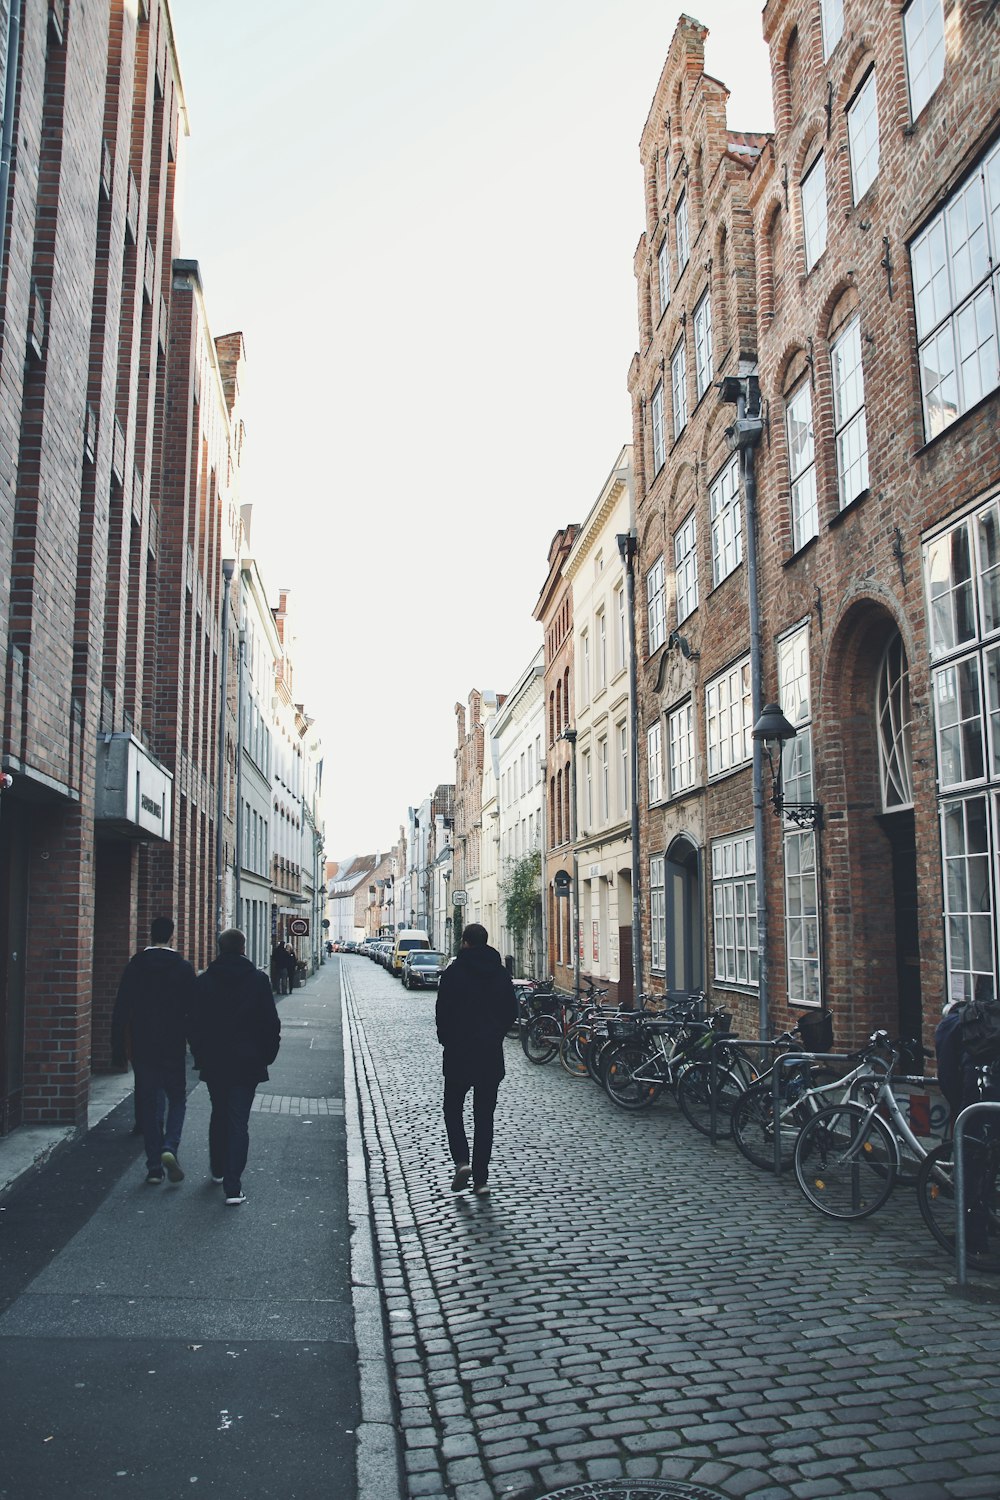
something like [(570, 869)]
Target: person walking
[(291, 964), (235, 1035), (153, 1006), (278, 971), (475, 1007)]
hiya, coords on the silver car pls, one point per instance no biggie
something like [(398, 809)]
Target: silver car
[(422, 969)]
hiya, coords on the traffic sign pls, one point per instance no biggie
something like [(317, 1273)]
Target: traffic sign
[(459, 898), (299, 926)]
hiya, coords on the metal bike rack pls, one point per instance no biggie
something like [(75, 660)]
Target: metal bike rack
[(980, 1107), (713, 1077)]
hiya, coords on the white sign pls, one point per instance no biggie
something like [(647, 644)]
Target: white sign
[(459, 898), (299, 927)]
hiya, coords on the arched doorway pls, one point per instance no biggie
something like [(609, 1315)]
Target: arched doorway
[(685, 942)]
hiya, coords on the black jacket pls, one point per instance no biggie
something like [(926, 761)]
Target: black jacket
[(154, 1004), (475, 1007), (235, 1029)]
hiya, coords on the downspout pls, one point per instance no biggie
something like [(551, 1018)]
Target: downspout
[(228, 568), (627, 546), (9, 96), (238, 895), (749, 436)]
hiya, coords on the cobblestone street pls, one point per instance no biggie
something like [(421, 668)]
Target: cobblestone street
[(632, 1302)]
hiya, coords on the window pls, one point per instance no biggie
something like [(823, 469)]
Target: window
[(620, 628), (802, 931), (656, 411), (678, 388), (681, 231), (814, 211), (663, 275), (623, 758), (588, 792), (585, 668), (727, 529), (802, 466), (602, 652), (833, 23), (680, 733), (968, 858), (686, 568), (958, 720), (654, 762), (703, 345), (655, 606), (734, 909), (954, 261), (603, 780), (923, 35), (657, 913), (729, 719), (862, 136), (849, 413)]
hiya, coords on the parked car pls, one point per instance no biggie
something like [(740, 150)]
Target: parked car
[(422, 969), (405, 942)]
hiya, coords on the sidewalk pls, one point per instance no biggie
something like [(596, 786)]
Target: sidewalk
[(153, 1340), (631, 1304)]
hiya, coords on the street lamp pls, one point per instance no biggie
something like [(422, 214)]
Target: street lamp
[(774, 731)]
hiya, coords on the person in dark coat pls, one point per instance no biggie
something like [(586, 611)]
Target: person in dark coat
[(235, 1035), (475, 1007), (291, 965), (153, 1006)]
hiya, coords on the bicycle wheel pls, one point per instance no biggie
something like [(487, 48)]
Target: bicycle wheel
[(540, 1039), (571, 1053), (752, 1120), (694, 1095), (936, 1200), (625, 1061), (845, 1161)]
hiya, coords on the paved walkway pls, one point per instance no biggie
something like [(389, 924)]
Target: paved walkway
[(631, 1301)]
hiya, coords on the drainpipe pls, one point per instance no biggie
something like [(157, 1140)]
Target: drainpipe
[(238, 895), (9, 96), (228, 568), (628, 546), (544, 770)]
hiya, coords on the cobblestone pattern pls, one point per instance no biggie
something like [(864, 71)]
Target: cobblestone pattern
[(631, 1302), (291, 1104)]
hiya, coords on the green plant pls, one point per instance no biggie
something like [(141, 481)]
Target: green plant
[(522, 896)]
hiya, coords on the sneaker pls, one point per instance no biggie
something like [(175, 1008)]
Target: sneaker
[(461, 1178), (215, 1179), (235, 1198), (481, 1189), (172, 1165), (154, 1176)]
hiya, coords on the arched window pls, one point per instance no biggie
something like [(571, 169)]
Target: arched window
[(894, 717)]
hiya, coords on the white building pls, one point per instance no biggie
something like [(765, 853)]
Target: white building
[(518, 741), (259, 650), (603, 853)]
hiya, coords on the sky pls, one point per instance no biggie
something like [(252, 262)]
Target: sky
[(422, 216)]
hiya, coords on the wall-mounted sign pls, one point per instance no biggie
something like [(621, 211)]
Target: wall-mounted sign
[(298, 926), (459, 898)]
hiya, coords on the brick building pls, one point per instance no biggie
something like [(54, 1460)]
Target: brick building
[(468, 832), (877, 221), (554, 612), (694, 268)]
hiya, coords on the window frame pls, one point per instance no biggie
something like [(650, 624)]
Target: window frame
[(726, 521), (734, 910), (656, 421), (849, 418), (682, 232), (681, 749), (678, 387), (703, 361), (654, 763), (928, 90), (686, 566), (720, 706), (831, 20), (809, 239), (858, 134), (663, 273), (656, 607), (804, 478), (658, 913)]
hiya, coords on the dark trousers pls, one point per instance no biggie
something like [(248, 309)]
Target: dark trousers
[(484, 1103), (153, 1083), (229, 1133)]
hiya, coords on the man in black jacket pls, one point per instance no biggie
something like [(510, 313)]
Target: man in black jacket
[(154, 1003), (235, 1034), (475, 1007)]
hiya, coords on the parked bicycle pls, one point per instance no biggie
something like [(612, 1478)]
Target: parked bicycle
[(981, 1173), (639, 1069)]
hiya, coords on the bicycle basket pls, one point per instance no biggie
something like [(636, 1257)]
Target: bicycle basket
[(816, 1030), (622, 1028), (722, 1021)]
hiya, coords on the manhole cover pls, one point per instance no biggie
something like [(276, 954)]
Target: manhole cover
[(635, 1489)]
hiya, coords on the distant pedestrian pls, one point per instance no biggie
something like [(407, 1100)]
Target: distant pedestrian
[(291, 964), (279, 973), (475, 1006), (153, 1007), (235, 1035)]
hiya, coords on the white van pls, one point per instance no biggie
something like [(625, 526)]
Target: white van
[(406, 940)]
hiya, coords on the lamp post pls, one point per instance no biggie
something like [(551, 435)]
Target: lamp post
[(569, 735), (628, 546), (228, 569), (773, 731)]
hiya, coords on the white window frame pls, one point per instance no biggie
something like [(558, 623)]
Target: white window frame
[(681, 752), (656, 418), (603, 780), (678, 388), (682, 232), (703, 366), (862, 136), (584, 667), (654, 762), (803, 941), (726, 520), (588, 792), (849, 421), (923, 43), (657, 913), (602, 651), (734, 910), (729, 719), (623, 766), (832, 12), (802, 465), (955, 265), (656, 609), (686, 567), (663, 274), (621, 628), (812, 195)]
